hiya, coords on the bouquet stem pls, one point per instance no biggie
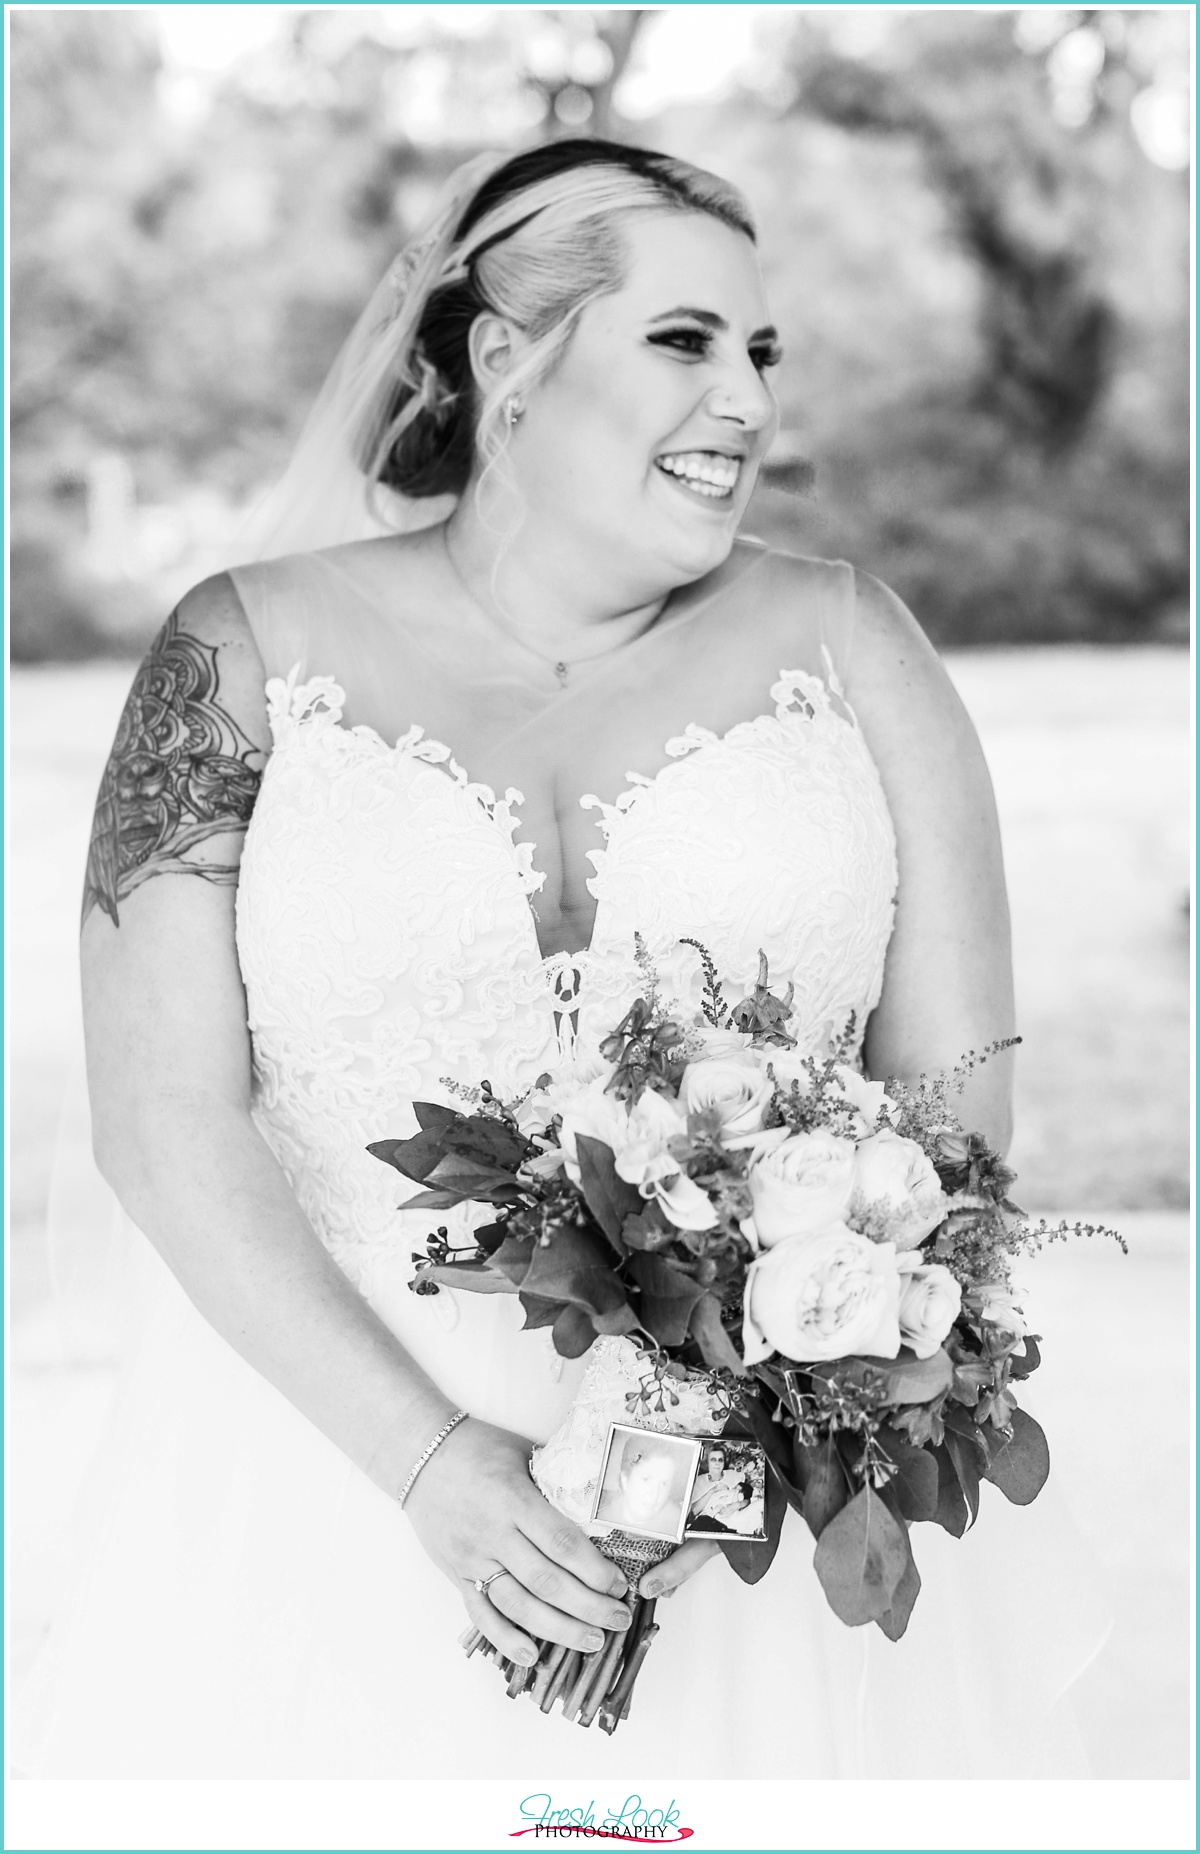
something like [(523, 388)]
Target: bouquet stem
[(589, 1685)]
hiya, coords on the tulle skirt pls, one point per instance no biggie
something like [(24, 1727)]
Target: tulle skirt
[(244, 1603)]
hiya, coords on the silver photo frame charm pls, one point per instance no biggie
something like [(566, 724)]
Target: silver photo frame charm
[(645, 1485)]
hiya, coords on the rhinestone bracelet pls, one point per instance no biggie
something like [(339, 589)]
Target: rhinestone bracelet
[(460, 1416)]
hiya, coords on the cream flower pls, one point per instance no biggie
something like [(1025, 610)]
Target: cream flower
[(733, 1087), (800, 1185), (867, 1096), (681, 1199), (930, 1301), (822, 1296), (591, 1110), (896, 1195), (997, 1306)]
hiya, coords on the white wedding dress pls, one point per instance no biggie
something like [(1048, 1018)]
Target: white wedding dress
[(248, 1604)]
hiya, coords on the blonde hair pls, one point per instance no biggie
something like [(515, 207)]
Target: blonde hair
[(538, 241)]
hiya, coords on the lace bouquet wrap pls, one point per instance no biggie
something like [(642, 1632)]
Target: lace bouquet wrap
[(756, 1244)]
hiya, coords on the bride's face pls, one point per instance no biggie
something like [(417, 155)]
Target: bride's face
[(644, 441)]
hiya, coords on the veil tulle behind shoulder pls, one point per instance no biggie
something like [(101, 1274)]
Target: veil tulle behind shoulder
[(324, 497)]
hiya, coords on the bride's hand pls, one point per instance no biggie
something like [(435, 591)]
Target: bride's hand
[(663, 1580), (476, 1510)]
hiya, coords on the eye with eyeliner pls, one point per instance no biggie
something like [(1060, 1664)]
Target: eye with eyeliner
[(697, 343)]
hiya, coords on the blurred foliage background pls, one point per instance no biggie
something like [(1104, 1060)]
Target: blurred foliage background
[(974, 224)]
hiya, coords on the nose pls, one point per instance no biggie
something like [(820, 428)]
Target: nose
[(743, 397)]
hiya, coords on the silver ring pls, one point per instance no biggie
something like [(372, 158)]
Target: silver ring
[(481, 1583)]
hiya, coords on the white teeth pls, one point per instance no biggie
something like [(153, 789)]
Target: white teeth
[(703, 471)]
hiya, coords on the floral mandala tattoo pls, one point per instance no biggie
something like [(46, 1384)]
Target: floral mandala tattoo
[(180, 770)]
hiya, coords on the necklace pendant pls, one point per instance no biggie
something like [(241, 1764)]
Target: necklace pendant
[(561, 670)]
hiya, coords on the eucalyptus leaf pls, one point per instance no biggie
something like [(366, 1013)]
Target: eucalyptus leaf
[(753, 1561), (607, 1195), (966, 1465), (573, 1333), (951, 1511), (415, 1157), (539, 1312), (574, 1266), (714, 1342), (475, 1277), (826, 1490), (668, 1294), (1026, 1366), (894, 1620), (861, 1558), (1019, 1464), (915, 1483), (433, 1118), (512, 1259), (916, 1380)]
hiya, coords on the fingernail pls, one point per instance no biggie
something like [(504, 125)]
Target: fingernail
[(652, 1590), (620, 1588), (526, 1656), (621, 1619), (593, 1640)]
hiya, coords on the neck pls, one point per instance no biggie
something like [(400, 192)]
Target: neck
[(534, 589)]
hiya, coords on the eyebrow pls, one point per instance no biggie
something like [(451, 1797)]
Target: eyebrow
[(711, 320)]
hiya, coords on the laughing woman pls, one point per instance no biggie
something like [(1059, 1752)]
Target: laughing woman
[(369, 826)]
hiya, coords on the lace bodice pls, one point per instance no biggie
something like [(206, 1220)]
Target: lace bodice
[(387, 941)]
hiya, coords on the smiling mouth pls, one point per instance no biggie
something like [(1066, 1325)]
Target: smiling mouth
[(707, 475)]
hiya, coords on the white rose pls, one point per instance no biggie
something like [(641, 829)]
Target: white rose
[(930, 1301), (867, 1096), (822, 1296), (896, 1194), (800, 1185), (717, 1042), (732, 1087)]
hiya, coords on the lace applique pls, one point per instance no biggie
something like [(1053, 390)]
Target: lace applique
[(387, 941), (692, 737)]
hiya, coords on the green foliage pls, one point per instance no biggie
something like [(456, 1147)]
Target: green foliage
[(862, 1559), (985, 310)]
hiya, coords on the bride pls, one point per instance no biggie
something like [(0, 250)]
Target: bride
[(384, 811)]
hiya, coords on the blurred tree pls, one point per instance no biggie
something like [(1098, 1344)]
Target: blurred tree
[(988, 302), (980, 277), (977, 108)]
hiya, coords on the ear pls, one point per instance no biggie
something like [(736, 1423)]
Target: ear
[(494, 345)]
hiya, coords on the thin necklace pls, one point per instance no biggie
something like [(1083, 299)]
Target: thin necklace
[(562, 666)]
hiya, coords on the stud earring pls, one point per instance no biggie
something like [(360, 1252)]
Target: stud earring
[(512, 410)]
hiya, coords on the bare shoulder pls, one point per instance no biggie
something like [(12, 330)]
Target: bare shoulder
[(213, 621), (183, 774), (897, 685)]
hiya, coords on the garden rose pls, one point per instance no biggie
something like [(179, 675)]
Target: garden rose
[(930, 1300), (822, 1296), (800, 1184), (896, 1195), (733, 1087)]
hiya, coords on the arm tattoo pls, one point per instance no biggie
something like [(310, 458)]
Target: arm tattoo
[(180, 770)]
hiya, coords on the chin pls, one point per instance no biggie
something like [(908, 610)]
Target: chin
[(695, 555)]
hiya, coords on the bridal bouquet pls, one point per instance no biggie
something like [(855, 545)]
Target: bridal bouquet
[(755, 1245)]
